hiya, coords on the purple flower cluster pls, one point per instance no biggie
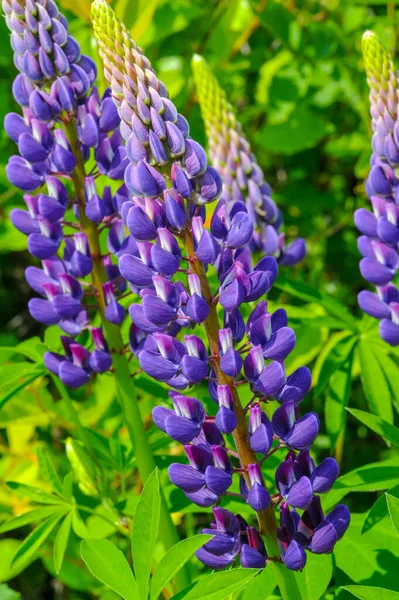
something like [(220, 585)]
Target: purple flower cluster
[(243, 178), (54, 90), (167, 258), (379, 242)]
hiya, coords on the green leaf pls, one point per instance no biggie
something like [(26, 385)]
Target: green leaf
[(371, 593), (36, 494), (378, 425), (144, 532), (337, 399), (38, 514), (35, 539), (47, 469), (370, 478), (7, 394), (393, 508), (314, 579), (374, 382), (369, 557), (379, 510), (304, 292), (173, 561), (217, 586), (106, 562), (61, 542), (337, 356), (260, 586), (7, 593)]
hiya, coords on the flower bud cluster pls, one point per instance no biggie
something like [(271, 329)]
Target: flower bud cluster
[(379, 242), (167, 257), (243, 178), (55, 91)]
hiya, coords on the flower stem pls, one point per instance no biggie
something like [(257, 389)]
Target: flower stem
[(125, 389), (267, 518)]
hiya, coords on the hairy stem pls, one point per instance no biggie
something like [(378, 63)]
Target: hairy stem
[(126, 392), (266, 518)]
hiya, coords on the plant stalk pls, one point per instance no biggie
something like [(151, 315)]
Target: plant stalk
[(126, 392), (267, 518)]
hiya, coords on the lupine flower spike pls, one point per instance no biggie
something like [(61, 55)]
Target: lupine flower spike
[(243, 178), (55, 91), (167, 260), (379, 241)]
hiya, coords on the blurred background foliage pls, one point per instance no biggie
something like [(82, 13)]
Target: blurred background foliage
[(294, 72)]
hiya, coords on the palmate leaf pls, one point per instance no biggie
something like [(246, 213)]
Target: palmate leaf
[(217, 586), (106, 562), (35, 539), (145, 531), (371, 593), (378, 425), (173, 561)]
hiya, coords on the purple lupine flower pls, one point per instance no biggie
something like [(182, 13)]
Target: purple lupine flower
[(54, 89), (312, 531), (379, 241), (168, 263)]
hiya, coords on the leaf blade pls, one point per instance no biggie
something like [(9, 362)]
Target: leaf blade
[(61, 542), (108, 564), (144, 532), (173, 560)]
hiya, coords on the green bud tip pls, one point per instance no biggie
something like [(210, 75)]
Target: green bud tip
[(378, 63)]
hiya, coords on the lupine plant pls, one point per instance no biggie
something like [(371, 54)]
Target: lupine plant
[(378, 243), (171, 185), (155, 266)]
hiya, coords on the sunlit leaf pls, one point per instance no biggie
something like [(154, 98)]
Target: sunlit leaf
[(109, 565)]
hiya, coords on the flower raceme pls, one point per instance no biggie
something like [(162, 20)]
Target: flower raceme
[(243, 178), (170, 259), (379, 241), (55, 91)]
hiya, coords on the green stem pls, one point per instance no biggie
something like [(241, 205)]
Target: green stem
[(125, 389), (267, 518)]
